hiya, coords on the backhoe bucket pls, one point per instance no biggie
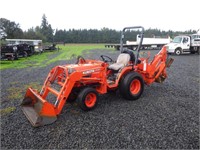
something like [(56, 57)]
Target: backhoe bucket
[(38, 111)]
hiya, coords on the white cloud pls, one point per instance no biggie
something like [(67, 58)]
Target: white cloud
[(115, 14)]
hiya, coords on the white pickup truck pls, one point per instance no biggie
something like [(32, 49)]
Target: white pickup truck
[(185, 44)]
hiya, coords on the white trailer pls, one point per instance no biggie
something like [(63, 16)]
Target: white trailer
[(185, 44), (36, 43), (150, 41)]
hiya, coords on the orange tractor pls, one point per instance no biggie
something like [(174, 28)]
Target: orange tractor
[(86, 79)]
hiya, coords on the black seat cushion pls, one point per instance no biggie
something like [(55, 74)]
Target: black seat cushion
[(130, 52)]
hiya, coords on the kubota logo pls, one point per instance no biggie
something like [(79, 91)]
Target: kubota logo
[(88, 71)]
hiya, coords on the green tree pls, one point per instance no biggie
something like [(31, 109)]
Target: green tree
[(10, 29), (46, 29), (106, 35), (34, 33)]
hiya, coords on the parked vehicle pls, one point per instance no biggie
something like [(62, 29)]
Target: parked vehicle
[(148, 43), (185, 44), (36, 43), (51, 47), (86, 79), (14, 51)]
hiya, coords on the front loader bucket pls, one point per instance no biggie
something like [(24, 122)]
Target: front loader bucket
[(38, 111)]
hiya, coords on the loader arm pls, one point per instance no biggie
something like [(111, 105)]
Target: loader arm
[(37, 108)]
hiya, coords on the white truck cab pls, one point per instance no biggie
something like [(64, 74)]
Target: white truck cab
[(184, 44)]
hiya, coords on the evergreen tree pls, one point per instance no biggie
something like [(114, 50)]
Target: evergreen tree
[(34, 33), (46, 30)]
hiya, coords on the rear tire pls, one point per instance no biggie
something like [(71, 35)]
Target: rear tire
[(87, 99), (132, 86)]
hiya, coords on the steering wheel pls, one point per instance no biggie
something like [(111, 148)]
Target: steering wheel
[(106, 58), (80, 60)]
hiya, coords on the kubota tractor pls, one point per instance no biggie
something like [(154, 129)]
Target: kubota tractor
[(86, 79)]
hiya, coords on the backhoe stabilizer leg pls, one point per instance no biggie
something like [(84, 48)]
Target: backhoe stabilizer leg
[(169, 62), (160, 79)]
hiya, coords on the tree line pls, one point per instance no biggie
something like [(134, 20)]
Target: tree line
[(45, 32), (11, 30)]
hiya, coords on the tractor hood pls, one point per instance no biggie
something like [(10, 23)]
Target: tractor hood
[(86, 67)]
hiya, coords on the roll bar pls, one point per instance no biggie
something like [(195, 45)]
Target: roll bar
[(140, 43)]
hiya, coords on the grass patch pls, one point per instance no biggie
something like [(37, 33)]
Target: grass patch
[(7, 110), (34, 85), (46, 58), (16, 93)]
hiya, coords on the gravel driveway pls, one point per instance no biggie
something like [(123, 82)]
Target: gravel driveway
[(165, 117)]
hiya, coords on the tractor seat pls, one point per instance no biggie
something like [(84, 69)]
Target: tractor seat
[(122, 61)]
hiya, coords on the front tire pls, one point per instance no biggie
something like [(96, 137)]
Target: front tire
[(73, 95), (132, 86), (87, 99), (178, 51)]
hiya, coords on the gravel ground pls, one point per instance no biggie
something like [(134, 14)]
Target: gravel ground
[(165, 117)]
